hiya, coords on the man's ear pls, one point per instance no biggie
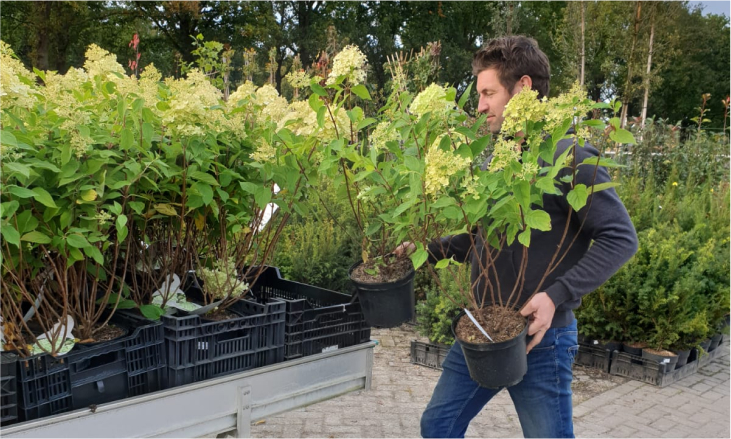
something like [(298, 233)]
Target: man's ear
[(524, 81)]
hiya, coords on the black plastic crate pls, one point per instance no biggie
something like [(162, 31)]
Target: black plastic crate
[(93, 374), (318, 320), (8, 388), (429, 354), (650, 371), (594, 357), (198, 350)]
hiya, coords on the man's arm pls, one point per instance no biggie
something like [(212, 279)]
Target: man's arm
[(457, 246), (607, 223)]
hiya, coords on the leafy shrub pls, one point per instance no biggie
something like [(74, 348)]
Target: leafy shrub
[(435, 314)]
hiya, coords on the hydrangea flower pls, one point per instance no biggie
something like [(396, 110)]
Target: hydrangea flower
[(432, 99), (221, 281), (349, 63), (440, 166)]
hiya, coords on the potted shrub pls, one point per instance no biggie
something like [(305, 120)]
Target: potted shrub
[(498, 206)]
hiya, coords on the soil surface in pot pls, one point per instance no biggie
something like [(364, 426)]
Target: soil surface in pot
[(661, 352), (396, 268), (501, 323), (220, 315), (108, 332)]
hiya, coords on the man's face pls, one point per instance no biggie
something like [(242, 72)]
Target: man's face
[(493, 98)]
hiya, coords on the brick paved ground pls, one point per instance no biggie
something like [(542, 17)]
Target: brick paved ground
[(604, 406)]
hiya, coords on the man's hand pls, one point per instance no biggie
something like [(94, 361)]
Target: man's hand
[(539, 310), (405, 248)]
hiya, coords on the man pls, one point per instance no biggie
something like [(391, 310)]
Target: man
[(605, 240)]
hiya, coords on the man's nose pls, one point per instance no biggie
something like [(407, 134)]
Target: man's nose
[(482, 106)]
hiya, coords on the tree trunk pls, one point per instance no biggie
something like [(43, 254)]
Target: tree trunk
[(510, 18), (583, 47), (647, 73), (44, 29), (626, 98)]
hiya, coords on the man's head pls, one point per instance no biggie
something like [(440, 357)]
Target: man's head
[(503, 67)]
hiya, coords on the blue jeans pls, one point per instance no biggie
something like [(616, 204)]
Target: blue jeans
[(542, 399)]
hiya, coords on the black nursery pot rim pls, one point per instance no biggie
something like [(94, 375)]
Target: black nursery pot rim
[(487, 346), (403, 281)]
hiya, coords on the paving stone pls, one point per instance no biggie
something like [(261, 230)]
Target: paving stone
[(697, 406)]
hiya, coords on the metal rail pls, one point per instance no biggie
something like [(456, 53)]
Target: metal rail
[(215, 406)]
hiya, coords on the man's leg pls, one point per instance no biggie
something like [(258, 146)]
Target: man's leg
[(456, 399), (543, 398)]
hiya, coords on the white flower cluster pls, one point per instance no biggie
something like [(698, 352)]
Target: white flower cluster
[(441, 166), (350, 62), (432, 100), (13, 91), (222, 281), (298, 79)]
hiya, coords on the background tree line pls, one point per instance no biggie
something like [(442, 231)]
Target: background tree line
[(659, 58)]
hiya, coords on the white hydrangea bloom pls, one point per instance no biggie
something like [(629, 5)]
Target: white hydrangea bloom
[(432, 99), (350, 62), (13, 91)]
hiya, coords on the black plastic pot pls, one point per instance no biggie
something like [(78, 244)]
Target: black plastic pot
[(672, 361), (495, 365), (386, 305), (715, 341), (682, 358), (705, 344), (608, 345), (636, 351)]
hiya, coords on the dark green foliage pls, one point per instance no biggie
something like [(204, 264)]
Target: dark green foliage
[(317, 248), (435, 314)]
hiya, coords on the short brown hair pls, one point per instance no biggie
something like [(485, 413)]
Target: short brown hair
[(514, 56)]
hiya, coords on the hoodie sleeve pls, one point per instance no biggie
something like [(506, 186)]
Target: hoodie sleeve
[(605, 221)]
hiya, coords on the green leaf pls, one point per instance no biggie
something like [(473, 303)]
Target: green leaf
[(8, 139), (127, 140), (577, 197), (538, 219), (125, 304), (204, 177), (43, 197), (622, 136), (521, 189), (315, 102), (443, 202), (10, 234), (365, 122), (21, 192), (361, 91), (152, 312), (21, 169), (479, 145), (121, 226), (318, 89), (442, 264), (147, 132), (8, 208), (262, 196), (37, 237), (321, 116), (373, 228), (419, 257), (593, 123), (205, 191), (77, 241), (603, 161), (94, 253), (465, 96), (602, 186), (166, 209), (524, 237)]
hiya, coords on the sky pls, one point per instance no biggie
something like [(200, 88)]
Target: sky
[(714, 7)]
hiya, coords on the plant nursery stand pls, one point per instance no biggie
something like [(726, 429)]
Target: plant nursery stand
[(218, 405)]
